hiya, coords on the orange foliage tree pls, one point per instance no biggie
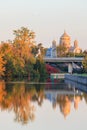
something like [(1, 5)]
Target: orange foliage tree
[(2, 63), (19, 56)]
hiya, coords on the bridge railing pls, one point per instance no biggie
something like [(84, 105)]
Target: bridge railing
[(63, 59), (57, 75)]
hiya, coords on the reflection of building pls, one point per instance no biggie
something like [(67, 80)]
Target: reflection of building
[(65, 106), (63, 99), (76, 101)]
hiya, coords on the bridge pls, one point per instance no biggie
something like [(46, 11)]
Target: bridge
[(57, 76), (64, 59), (69, 60)]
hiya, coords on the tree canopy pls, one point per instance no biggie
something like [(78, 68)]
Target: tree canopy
[(17, 58)]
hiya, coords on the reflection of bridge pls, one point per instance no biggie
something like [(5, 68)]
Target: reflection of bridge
[(52, 95), (63, 92), (69, 60)]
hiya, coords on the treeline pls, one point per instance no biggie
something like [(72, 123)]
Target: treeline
[(22, 57)]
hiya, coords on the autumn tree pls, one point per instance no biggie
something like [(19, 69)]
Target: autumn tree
[(23, 43), (8, 56), (2, 65), (24, 40), (18, 57)]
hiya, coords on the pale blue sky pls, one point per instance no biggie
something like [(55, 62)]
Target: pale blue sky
[(48, 18)]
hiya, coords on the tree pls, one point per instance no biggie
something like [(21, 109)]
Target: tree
[(70, 54), (38, 50), (8, 56), (24, 40), (23, 43), (2, 65), (85, 63), (61, 50), (18, 57)]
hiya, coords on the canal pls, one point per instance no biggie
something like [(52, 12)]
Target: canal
[(43, 106)]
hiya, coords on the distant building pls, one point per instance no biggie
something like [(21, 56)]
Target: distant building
[(51, 52), (54, 51), (75, 48), (65, 40)]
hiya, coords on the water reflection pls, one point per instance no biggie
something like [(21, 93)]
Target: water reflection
[(63, 99), (21, 97)]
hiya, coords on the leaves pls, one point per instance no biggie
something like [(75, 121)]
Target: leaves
[(85, 63), (61, 50), (18, 58), (2, 65)]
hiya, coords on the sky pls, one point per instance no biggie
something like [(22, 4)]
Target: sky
[(47, 18)]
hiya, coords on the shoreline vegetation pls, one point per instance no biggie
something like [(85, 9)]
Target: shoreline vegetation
[(19, 82), (22, 58)]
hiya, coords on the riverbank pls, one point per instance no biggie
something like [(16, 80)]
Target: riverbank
[(77, 78)]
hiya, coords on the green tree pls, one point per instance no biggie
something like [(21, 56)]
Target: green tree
[(85, 63), (70, 54), (42, 49), (41, 68), (61, 50)]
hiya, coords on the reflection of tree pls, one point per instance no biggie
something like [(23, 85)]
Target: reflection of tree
[(2, 92), (20, 99), (85, 97), (22, 104), (40, 97)]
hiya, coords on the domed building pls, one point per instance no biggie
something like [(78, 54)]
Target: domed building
[(65, 40), (75, 48)]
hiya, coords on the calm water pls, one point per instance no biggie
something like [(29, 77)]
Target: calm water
[(58, 106)]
